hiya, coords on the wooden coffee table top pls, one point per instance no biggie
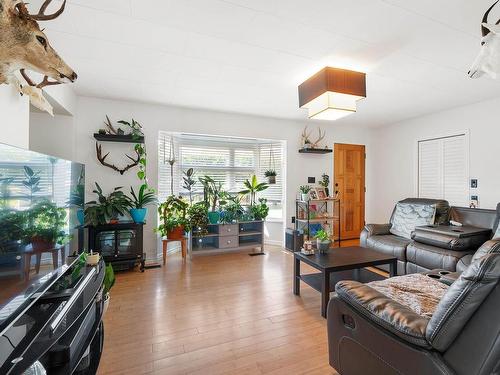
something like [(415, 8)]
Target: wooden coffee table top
[(345, 258)]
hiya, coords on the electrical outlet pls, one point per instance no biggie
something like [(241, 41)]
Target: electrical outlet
[(473, 183), (293, 219), (474, 201), (311, 180)]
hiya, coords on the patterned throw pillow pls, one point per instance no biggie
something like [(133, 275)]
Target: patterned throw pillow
[(409, 215)]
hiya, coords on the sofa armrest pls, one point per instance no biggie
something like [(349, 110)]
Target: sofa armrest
[(373, 230), (384, 311)]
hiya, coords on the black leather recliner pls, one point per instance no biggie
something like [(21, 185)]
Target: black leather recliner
[(371, 333)]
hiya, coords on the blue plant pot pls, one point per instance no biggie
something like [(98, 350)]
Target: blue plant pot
[(138, 214), (213, 217), (80, 215)]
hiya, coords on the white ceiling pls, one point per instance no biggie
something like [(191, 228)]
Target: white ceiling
[(249, 56)]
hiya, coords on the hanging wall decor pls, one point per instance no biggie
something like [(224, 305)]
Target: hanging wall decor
[(270, 174), (488, 60), (24, 47)]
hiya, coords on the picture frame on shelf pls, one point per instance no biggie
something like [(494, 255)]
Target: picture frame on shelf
[(313, 194), (321, 193)]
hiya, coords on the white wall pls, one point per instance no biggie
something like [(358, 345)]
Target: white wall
[(14, 121), (91, 113), (394, 153), (53, 135)]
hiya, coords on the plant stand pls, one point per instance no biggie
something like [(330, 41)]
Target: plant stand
[(184, 247)]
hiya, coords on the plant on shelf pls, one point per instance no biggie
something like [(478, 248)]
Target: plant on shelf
[(198, 218), (323, 240), (139, 201), (270, 174), (325, 182), (233, 210), (173, 218), (189, 183), (252, 187), (212, 192), (106, 209), (47, 223), (304, 192), (260, 210)]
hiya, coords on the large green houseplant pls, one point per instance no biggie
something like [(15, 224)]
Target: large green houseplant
[(47, 223), (173, 218), (107, 208), (252, 187), (212, 192)]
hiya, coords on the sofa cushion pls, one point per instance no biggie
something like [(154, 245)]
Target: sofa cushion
[(429, 257), (389, 244), (418, 292), (407, 216), (461, 301), (384, 311)]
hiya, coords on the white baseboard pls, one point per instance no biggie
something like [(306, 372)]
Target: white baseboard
[(273, 242)]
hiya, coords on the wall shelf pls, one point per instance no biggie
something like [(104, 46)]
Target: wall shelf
[(315, 150), (126, 138)]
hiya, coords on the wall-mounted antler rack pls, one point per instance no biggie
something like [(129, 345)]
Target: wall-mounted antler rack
[(102, 160)]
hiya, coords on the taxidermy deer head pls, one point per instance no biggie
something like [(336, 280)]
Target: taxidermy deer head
[(24, 46), (488, 61)]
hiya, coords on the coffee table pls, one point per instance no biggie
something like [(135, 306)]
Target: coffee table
[(346, 263)]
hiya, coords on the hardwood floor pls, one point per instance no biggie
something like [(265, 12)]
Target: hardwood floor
[(219, 314)]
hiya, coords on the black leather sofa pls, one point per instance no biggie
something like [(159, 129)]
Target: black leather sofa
[(370, 332), (421, 253)]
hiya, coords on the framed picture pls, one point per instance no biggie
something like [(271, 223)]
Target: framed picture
[(313, 194), (321, 192)]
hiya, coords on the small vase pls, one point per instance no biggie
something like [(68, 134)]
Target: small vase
[(213, 217), (323, 246), (138, 214), (304, 197)]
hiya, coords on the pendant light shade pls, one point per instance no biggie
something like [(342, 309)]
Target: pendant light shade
[(332, 93)]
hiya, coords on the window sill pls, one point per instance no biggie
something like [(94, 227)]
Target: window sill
[(274, 221)]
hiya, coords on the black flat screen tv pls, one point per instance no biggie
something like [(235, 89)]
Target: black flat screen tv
[(41, 200)]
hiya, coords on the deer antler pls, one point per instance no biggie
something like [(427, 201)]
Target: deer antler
[(111, 128), (40, 16), (102, 160), (42, 84), (321, 136), (305, 136)]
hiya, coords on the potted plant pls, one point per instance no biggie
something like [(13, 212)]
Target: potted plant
[(322, 240), (77, 200), (260, 210), (109, 281), (212, 191), (304, 192), (106, 209), (233, 210), (253, 187), (271, 176), (198, 218), (189, 183), (46, 225), (325, 182), (139, 201), (173, 218)]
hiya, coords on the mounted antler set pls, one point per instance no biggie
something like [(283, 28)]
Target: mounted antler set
[(306, 138), (102, 159), (24, 46)]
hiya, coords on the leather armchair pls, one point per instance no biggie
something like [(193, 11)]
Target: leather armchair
[(371, 333)]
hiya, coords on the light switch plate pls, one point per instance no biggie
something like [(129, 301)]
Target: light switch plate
[(473, 183)]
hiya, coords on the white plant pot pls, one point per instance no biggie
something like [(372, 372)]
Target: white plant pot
[(304, 197), (107, 298), (323, 246)]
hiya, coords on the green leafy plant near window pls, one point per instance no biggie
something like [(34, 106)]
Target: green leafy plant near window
[(270, 173), (233, 210), (198, 218), (212, 191), (47, 223), (106, 207), (260, 210), (173, 216), (143, 198), (252, 187), (31, 181), (189, 183)]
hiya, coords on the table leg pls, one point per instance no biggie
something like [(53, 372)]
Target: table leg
[(27, 266), (38, 261), (55, 258), (325, 293), (164, 252), (296, 277), (393, 268), (183, 248)]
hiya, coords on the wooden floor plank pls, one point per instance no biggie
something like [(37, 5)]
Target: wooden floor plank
[(219, 314)]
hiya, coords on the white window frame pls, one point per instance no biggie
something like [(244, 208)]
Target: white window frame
[(465, 133)]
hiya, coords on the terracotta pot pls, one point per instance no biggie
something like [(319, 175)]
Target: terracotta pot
[(176, 234), (41, 244)]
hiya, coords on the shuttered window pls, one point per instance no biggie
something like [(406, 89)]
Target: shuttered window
[(229, 161), (443, 169)]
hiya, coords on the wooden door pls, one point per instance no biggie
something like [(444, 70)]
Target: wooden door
[(349, 182)]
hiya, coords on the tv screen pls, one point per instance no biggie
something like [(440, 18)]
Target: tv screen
[(41, 216)]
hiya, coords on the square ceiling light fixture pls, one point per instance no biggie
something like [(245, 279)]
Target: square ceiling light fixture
[(332, 93)]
